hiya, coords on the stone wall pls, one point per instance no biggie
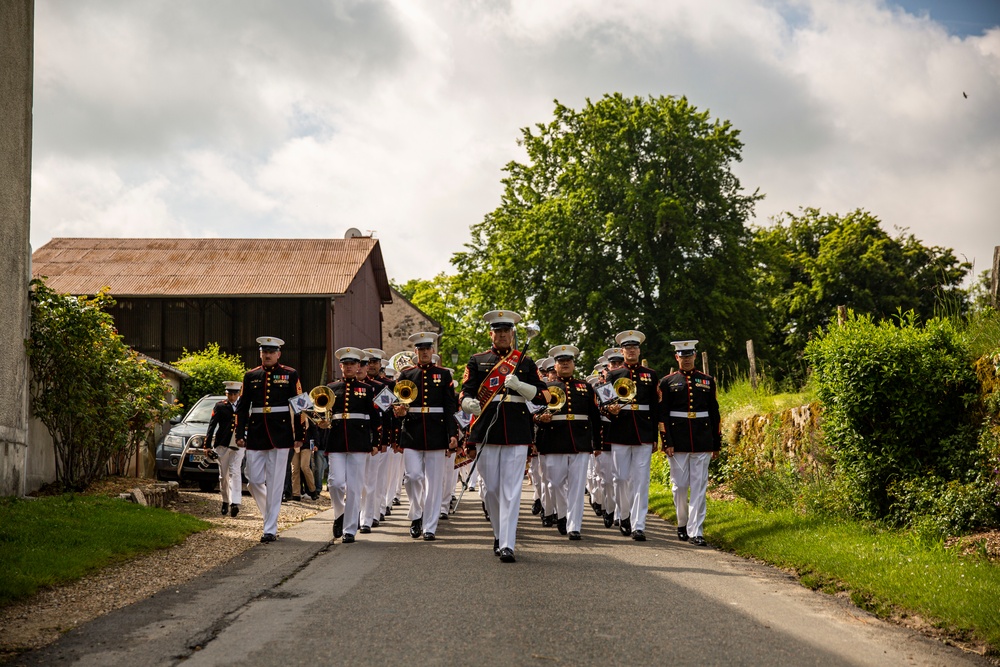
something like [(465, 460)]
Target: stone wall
[(400, 319), (16, 52)]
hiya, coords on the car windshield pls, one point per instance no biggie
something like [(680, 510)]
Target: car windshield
[(202, 411)]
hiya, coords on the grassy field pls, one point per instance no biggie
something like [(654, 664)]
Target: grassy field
[(56, 539), (886, 572)]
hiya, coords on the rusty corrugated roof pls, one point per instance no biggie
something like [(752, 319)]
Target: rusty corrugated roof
[(208, 267)]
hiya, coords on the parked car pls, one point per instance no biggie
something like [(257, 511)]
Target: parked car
[(198, 466)]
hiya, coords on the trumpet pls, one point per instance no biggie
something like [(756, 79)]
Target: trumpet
[(322, 399), (405, 392), (557, 399), (625, 389)]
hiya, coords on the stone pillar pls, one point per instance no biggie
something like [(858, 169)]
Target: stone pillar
[(16, 52)]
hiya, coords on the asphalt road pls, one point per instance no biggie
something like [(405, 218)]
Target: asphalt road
[(388, 599)]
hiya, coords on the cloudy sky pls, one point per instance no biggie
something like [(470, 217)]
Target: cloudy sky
[(246, 118)]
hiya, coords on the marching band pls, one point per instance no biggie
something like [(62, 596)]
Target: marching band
[(404, 422)]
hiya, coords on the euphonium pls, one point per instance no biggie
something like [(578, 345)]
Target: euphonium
[(323, 400), (405, 391), (625, 389), (401, 361), (557, 398)]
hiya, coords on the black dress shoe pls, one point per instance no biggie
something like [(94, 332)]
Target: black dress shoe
[(638, 536), (365, 530), (338, 526), (381, 518), (574, 535), (296, 498), (348, 538), (506, 555), (375, 523), (496, 547), (268, 537), (429, 537), (536, 507), (561, 525), (443, 517), (415, 528), (626, 527), (609, 519), (225, 509), (699, 541), (616, 523), (314, 495), (395, 501), (234, 510), (549, 520), (682, 533), (598, 509), (388, 510)]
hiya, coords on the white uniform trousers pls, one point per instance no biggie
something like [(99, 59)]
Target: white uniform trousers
[(230, 475), (395, 479), (449, 480), (423, 470), (346, 479), (592, 479), (535, 474), (370, 499), (631, 472), (502, 470), (382, 483), (604, 465), (266, 474), (566, 475), (690, 471), (548, 502)]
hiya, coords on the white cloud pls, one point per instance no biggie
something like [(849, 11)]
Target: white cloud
[(237, 118)]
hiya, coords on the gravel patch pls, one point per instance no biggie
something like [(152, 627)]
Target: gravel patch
[(41, 619)]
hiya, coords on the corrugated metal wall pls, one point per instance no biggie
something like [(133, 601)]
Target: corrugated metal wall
[(357, 317)]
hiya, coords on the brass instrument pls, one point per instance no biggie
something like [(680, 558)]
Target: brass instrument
[(557, 398), (322, 399), (400, 361), (405, 392), (625, 389)]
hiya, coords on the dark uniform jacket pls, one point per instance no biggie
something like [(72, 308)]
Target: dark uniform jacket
[(357, 428), (263, 416), (385, 417), (430, 423), (576, 427), (223, 415), (689, 411), (513, 425), (637, 423)]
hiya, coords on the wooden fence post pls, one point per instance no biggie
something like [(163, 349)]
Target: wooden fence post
[(995, 279), (841, 314), (753, 365)]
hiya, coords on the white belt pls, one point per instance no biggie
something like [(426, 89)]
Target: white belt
[(689, 415), (349, 415), (425, 410), (634, 406), (569, 418), (266, 409), (508, 399)]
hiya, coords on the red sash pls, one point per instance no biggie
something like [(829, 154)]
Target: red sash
[(494, 382)]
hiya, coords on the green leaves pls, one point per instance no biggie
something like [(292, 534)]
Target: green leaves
[(209, 370)]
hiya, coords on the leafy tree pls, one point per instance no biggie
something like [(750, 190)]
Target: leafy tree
[(95, 396), (808, 264), (209, 369), (625, 214), (442, 298)]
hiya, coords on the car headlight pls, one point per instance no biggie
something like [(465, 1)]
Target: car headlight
[(173, 442), (196, 441)]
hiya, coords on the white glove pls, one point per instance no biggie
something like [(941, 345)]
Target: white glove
[(472, 406), (523, 388)]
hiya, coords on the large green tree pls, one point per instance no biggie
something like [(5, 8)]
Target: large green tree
[(442, 299), (810, 263), (626, 214)]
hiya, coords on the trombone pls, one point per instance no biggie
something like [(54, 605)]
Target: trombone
[(624, 389), (322, 399), (557, 399)]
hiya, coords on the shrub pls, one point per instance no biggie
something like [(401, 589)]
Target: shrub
[(209, 369), (897, 401)]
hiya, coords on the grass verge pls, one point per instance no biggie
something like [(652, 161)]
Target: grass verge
[(887, 572), (58, 539)]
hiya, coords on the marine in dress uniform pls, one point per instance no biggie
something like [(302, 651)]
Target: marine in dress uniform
[(352, 440), (604, 465), (378, 467), (568, 434), (692, 437), (632, 435), (220, 433), (540, 502), (495, 388), (428, 436), (265, 425)]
